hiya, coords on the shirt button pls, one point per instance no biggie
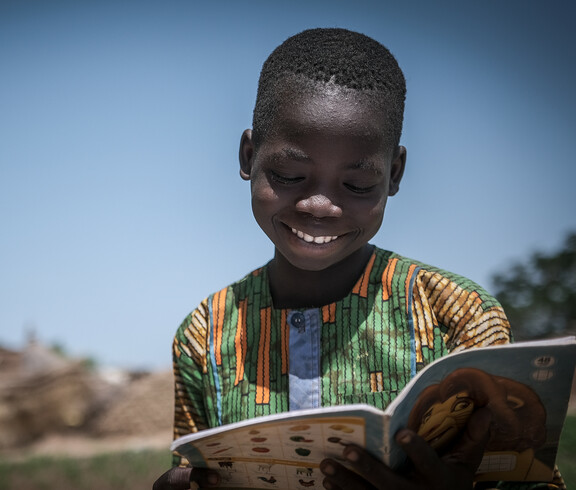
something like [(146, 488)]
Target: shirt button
[(298, 321)]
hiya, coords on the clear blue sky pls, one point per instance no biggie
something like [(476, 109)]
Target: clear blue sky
[(120, 201)]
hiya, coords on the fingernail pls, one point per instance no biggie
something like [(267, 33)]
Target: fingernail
[(328, 469), (405, 438), (352, 455), (213, 478)]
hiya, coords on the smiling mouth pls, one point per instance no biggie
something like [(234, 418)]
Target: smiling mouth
[(313, 239)]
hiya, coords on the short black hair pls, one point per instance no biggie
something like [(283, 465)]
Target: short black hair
[(346, 58)]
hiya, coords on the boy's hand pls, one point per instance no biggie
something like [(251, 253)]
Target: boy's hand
[(453, 471), (181, 478)]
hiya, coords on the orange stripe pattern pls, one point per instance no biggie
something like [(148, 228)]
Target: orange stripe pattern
[(361, 287), (240, 342), (387, 279), (263, 369), (218, 307)]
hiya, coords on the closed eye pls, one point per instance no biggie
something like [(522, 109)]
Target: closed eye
[(283, 179), (359, 189)]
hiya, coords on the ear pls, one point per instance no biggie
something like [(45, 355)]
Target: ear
[(246, 154), (397, 170)]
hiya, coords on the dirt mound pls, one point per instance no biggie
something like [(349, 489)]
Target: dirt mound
[(144, 406), (42, 393), (52, 403)]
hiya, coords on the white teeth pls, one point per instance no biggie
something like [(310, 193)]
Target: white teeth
[(313, 239)]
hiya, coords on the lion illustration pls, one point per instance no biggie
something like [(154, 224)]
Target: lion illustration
[(518, 415)]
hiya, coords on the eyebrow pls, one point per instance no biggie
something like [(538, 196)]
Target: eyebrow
[(300, 156), (366, 165), (293, 154)]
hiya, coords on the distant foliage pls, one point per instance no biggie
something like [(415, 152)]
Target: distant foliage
[(539, 295)]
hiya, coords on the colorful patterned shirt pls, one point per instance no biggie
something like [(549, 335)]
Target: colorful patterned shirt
[(237, 357)]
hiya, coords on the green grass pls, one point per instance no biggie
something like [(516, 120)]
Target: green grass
[(138, 470), (567, 453), (113, 471)]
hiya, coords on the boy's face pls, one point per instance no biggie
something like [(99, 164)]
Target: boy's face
[(321, 177)]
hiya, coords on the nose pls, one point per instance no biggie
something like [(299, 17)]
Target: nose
[(319, 206)]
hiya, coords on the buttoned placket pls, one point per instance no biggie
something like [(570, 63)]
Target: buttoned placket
[(304, 365)]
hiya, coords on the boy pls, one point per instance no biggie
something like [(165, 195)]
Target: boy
[(330, 319)]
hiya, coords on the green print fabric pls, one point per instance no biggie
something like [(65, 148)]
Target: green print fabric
[(368, 347)]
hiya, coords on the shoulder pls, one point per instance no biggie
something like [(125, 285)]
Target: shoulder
[(190, 341), (465, 311), (191, 336), (439, 285)]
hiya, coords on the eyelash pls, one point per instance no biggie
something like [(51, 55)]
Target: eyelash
[(281, 179), (359, 190)]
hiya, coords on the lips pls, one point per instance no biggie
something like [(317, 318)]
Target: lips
[(319, 240)]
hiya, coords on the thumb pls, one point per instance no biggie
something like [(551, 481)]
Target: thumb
[(470, 449), (174, 479), (179, 478)]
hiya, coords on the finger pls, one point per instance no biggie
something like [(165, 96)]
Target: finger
[(177, 478), (425, 460), (204, 477), (338, 477), (460, 463), (374, 473), (470, 448)]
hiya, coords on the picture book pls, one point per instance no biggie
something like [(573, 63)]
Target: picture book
[(525, 385)]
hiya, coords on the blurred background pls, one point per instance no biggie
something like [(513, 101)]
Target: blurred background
[(121, 206)]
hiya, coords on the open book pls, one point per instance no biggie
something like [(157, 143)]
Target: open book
[(526, 386)]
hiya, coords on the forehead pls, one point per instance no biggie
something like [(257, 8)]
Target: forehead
[(328, 110)]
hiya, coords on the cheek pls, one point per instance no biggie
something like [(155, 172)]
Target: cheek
[(373, 213), (263, 194), (264, 199)]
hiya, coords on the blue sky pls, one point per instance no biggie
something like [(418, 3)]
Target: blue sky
[(120, 201)]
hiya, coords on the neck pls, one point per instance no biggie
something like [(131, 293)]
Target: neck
[(297, 288)]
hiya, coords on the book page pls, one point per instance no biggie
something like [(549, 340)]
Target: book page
[(525, 385), (284, 451)]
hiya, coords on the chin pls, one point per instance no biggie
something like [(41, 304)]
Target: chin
[(313, 263), (310, 265)]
